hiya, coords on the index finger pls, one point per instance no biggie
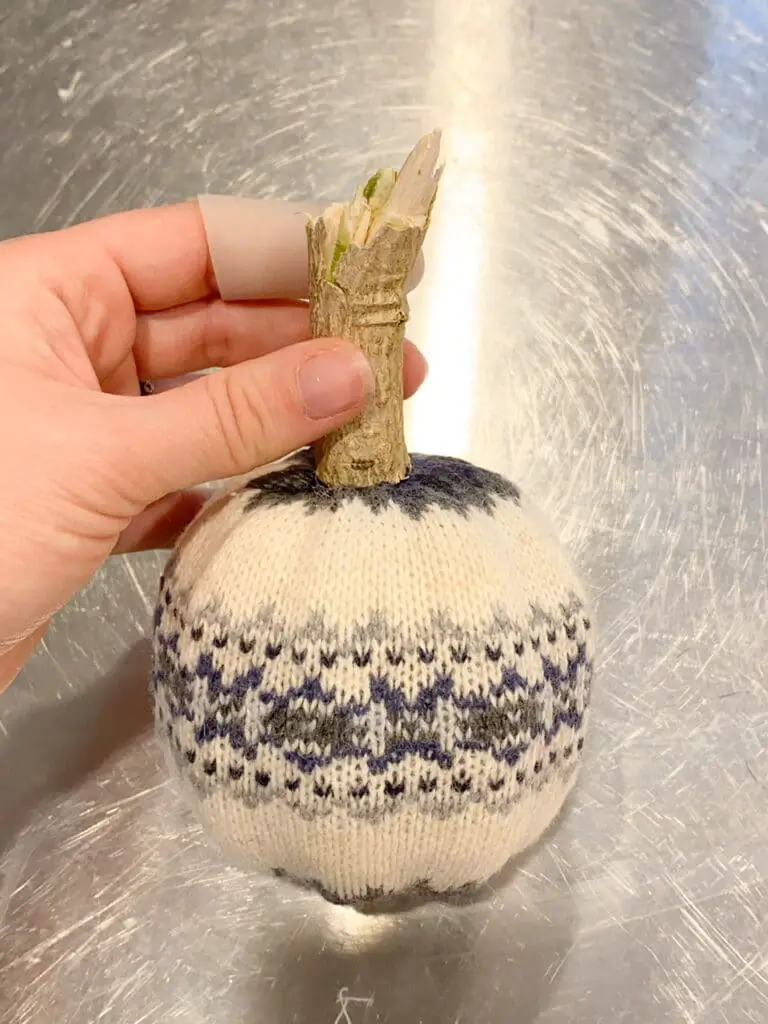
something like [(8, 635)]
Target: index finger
[(219, 245)]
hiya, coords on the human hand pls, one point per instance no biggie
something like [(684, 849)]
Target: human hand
[(89, 467)]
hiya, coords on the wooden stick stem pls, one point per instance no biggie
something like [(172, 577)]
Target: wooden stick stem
[(360, 257)]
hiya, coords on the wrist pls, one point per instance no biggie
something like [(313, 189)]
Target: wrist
[(15, 655)]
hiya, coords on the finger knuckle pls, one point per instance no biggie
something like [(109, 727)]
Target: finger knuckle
[(213, 338), (241, 419)]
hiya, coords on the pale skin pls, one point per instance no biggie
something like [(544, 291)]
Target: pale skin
[(91, 469)]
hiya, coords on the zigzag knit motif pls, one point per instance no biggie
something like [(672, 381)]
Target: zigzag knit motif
[(353, 746), (234, 722)]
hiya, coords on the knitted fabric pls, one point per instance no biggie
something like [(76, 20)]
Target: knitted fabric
[(374, 690)]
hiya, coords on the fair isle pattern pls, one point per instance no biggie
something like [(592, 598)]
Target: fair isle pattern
[(275, 714), (374, 691), (435, 481)]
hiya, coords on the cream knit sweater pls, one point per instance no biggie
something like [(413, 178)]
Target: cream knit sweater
[(374, 690)]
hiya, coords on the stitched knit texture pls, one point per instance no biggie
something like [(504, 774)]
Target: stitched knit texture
[(378, 690)]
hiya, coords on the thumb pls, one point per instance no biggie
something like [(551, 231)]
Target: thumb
[(229, 422)]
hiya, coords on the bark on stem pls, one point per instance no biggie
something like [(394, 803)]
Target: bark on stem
[(360, 257)]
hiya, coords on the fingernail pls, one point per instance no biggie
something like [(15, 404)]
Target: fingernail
[(334, 382)]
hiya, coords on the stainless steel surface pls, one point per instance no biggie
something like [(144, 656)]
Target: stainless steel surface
[(595, 313)]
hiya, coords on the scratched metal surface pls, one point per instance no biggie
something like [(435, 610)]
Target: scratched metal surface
[(595, 312)]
